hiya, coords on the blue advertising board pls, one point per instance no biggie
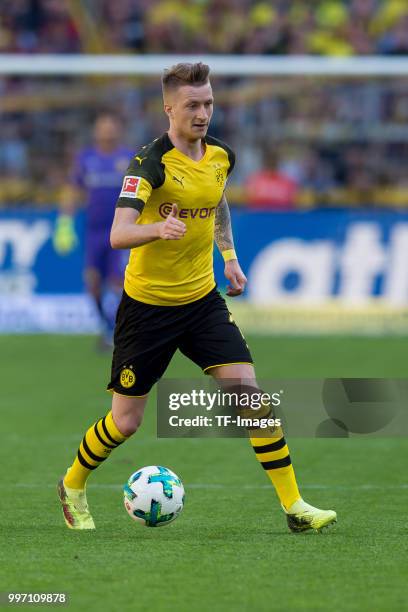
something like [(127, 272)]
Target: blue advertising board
[(28, 260), (309, 257), (41, 290), (301, 258)]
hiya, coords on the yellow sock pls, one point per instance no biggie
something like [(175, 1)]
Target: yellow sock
[(96, 446), (273, 455)]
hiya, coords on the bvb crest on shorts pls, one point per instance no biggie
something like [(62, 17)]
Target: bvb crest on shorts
[(127, 378)]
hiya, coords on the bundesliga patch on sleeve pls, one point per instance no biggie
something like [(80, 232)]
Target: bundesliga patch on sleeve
[(130, 186)]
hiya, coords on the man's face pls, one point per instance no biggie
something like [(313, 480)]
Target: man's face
[(190, 110), (107, 132)]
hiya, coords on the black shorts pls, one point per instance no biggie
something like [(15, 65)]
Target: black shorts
[(147, 336)]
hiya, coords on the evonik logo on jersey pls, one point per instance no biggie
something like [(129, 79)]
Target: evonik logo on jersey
[(187, 213)]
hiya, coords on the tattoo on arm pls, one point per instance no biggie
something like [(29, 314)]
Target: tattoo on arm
[(223, 230)]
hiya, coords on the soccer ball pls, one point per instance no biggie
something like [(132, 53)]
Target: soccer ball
[(154, 496)]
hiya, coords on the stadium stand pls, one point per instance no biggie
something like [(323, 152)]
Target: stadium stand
[(341, 141)]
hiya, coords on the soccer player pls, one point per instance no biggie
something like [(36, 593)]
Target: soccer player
[(97, 178), (171, 209)]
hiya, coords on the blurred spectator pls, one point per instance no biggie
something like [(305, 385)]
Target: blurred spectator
[(270, 188), (13, 154), (123, 25), (318, 181), (395, 42)]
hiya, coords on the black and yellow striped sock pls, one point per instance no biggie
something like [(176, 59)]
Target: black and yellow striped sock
[(96, 446), (273, 455)]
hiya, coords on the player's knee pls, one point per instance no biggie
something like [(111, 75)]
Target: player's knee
[(239, 372), (127, 413), (128, 424)]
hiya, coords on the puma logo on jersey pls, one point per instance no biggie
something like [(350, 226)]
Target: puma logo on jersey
[(140, 159), (179, 180)]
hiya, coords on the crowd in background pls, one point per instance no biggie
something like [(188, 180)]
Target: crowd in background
[(327, 27), (331, 141)]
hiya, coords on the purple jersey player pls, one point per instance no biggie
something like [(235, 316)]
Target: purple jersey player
[(97, 176)]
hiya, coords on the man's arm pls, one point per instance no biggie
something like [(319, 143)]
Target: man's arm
[(223, 230), (225, 243), (127, 234)]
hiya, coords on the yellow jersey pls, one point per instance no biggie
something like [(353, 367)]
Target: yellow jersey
[(175, 272)]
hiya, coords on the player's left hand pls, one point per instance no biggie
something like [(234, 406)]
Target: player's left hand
[(236, 278)]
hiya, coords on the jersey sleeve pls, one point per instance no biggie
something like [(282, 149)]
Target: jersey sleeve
[(231, 159), (142, 176)]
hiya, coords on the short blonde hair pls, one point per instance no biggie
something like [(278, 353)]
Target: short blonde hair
[(185, 74)]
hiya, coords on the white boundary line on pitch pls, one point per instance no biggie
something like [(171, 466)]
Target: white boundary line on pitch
[(361, 487)]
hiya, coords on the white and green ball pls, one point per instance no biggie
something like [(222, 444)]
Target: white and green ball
[(154, 496)]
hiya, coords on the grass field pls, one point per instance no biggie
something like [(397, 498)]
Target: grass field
[(230, 549)]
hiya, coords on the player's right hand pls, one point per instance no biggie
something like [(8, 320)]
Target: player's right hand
[(172, 228)]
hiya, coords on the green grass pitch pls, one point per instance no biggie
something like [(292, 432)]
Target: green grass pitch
[(230, 549)]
